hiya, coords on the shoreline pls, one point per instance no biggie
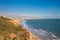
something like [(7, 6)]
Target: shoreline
[(41, 36), (32, 33), (31, 36), (36, 35)]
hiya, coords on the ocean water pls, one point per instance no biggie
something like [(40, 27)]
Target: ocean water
[(44, 28), (50, 25)]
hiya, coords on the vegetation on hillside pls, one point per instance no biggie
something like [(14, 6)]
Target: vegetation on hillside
[(8, 31)]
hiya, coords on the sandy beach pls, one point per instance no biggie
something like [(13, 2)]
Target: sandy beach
[(32, 36)]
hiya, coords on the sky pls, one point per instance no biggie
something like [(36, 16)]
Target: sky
[(42, 8)]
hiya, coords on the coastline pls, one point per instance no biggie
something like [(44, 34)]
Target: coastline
[(37, 35), (30, 35), (30, 32)]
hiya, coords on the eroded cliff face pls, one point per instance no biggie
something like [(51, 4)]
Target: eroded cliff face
[(14, 22), (10, 29)]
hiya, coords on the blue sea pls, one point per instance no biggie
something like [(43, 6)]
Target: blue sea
[(50, 27)]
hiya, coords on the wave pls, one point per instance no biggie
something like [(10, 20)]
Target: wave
[(39, 32)]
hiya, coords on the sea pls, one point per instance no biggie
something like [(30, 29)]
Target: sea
[(47, 29)]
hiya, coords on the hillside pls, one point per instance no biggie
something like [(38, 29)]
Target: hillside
[(9, 31)]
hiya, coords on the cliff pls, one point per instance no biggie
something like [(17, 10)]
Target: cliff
[(10, 29)]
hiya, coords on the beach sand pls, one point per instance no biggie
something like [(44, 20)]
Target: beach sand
[(34, 37), (31, 36)]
